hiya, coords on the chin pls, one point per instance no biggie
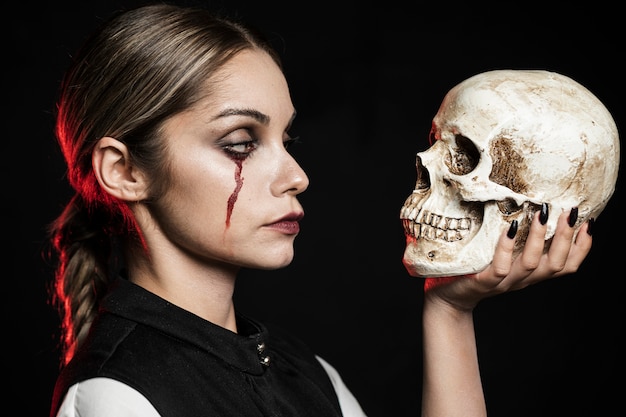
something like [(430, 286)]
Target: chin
[(274, 262)]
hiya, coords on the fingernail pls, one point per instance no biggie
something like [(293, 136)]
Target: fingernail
[(573, 216), (543, 216), (512, 230), (590, 224)]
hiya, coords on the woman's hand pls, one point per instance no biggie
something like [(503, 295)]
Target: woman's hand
[(506, 273)]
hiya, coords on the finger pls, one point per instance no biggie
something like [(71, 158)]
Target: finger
[(503, 256), (579, 249), (534, 246), (562, 240), (565, 255)]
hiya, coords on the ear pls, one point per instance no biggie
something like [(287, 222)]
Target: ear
[(114, 171)]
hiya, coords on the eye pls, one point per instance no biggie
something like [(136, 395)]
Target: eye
[(464, 157), (241, 150)]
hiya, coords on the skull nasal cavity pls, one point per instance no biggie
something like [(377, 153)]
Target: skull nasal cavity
[(463, 157), (423, 177)]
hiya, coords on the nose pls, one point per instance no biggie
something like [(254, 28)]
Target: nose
[(290, 178)]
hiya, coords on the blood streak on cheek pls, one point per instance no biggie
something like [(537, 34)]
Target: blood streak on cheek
[(235, 194)]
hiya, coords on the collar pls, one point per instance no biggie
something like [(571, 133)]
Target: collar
[(245, 350)]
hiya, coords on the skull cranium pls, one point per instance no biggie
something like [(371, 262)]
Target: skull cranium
[(502, 143)]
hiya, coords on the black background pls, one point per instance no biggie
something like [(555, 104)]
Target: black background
[(366, 81)]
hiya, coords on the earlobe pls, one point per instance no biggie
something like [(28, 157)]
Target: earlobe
[(115, 172)]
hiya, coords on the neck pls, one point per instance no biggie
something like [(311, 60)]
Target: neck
[(203, 289)]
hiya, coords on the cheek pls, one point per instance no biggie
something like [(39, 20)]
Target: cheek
[(213, 193), (201, 188)]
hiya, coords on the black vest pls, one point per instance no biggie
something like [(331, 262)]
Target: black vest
[(187, 366)]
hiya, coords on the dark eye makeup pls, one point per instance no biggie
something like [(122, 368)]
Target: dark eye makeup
[(243, 149)]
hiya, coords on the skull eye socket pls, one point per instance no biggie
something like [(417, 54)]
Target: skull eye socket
[(463, 157)]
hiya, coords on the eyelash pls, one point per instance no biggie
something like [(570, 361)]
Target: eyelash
[(291, 141), (251, 146)]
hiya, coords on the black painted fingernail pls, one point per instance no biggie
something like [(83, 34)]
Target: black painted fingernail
[(512, 230), (573, 216), (590, 224), (543, 216)]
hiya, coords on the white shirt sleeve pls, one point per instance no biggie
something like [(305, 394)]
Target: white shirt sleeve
[(350, 407), (105, 397)]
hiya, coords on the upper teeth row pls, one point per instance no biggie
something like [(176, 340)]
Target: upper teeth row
[(433, 226)]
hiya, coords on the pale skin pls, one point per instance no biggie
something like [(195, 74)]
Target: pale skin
[(451, 381), (233, 203), (195, 255)]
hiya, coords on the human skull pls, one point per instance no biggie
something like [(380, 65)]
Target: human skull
[(502, 143)]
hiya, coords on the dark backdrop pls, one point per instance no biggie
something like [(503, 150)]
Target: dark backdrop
[(366, 82)]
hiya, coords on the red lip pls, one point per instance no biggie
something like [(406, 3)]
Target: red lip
[(292, 217), (288, 224)]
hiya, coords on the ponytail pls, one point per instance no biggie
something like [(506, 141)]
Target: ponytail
[(83, 249)]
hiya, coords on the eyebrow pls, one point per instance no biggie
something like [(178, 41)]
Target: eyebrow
[(255, 114)]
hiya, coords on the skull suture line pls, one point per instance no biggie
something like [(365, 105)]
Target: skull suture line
[(502, 143)]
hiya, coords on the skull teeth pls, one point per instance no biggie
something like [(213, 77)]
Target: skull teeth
[(432, 226)]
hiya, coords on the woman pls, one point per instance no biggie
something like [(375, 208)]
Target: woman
[(174, 125)]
